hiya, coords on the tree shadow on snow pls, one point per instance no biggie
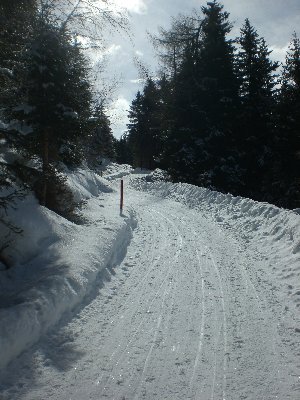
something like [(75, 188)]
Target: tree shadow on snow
[(60, 351), (56, 351)]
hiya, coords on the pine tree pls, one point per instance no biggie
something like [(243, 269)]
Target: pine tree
[(101, 142), (200, 148), (123, 150), (165, 117), (17, 19), (257, 83), (57, 107), (180, 153), (135, 130), (286, 182), (144, 130)]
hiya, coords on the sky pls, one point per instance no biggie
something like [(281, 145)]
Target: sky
[(275, 20)]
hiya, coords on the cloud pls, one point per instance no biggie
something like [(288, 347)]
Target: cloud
[(135, 6), (279, 53)]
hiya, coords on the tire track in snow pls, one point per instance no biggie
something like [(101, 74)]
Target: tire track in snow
[(178, 251), (260, 304), (202, 322), (168, 316), (151, 301), (198, 271), (200, 344), (212, 395), (224, 326), (261, 334), (129, 312)]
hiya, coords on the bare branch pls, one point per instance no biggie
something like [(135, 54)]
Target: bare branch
[(86, 18)]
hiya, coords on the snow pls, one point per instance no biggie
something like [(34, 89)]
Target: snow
[(21, 127), (3, 126), (186, 294), (67, 111), (263, 226), (86, 184), (26, 108), (55, 262), (7, 72), (113, 171)]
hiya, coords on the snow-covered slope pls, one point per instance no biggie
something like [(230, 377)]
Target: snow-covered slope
[(56, 262)]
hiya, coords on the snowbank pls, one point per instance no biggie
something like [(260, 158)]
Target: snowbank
[(85, 184), (56, 263), (114, 171), (261, 225)]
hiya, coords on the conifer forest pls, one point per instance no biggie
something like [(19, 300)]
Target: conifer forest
[(222, 113)]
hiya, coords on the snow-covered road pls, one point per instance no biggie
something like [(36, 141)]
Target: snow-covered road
[(186, 314)]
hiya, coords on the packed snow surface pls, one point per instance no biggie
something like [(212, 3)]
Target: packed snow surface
[(186, 294)]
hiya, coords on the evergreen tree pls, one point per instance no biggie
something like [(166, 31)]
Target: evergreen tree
[(57, 107), (101, 142), (200, 147), (135, 130), (16, 20), (180, 153), (123, 150), (144, 130), (165, 117), (257, 82), (286, 180)]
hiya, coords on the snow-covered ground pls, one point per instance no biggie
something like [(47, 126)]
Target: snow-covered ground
[(56, 262), (186, 294)]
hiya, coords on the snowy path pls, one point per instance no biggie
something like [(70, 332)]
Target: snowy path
[(182, 316)]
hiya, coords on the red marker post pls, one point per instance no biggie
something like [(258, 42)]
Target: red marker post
[(122, 196)]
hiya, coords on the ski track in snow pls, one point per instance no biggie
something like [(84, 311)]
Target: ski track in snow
[(180, 317)]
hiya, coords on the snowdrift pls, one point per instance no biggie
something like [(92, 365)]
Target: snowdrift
[(56, 263), (260, 225)]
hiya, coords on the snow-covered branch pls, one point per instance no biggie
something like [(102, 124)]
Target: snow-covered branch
[(6, 72)]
